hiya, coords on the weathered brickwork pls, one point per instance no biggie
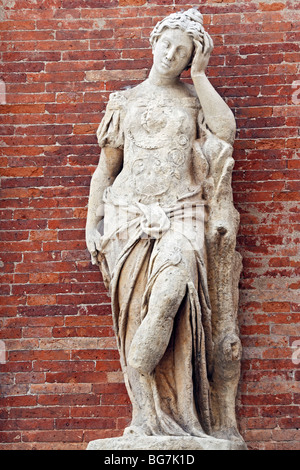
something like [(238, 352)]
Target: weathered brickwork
[(60, 373)]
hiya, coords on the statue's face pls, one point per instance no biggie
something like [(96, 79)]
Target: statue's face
[(172, 52)]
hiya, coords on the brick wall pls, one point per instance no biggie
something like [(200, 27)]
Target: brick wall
[(61, 380)]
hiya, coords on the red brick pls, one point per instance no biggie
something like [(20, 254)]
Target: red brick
[(10, 436), (283, 399), (59, 402), (41, 299), (276, 307), (22, 109), (264, 6), (19, 401), (132, 2), (54, 436), (86, 423), (59, 66), (44, 278), (286, 423)]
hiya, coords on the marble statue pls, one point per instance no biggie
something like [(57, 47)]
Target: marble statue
[(162, 227)]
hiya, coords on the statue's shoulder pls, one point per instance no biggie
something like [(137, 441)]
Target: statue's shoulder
[(118, 99), (121, 97)]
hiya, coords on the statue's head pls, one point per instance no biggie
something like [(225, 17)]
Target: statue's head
[(189, 22)]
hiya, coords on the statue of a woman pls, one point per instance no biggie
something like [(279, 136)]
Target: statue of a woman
[(162, 227)]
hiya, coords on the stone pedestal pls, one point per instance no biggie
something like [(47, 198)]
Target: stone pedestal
[(165, 443)]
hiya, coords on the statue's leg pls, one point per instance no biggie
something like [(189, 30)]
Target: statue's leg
[(152, 337), (148, 338), (144, 419)]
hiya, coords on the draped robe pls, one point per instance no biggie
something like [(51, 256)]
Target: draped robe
[(148, 228)]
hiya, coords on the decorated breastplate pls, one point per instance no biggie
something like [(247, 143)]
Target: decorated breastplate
[(159, 138)]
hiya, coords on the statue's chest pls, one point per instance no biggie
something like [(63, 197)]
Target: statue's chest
[(159, 135), (160, 123)]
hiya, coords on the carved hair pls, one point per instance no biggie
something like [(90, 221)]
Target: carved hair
[(190, 21)]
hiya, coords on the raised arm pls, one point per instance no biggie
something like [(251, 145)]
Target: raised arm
[(218, 115), (110, 165)]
